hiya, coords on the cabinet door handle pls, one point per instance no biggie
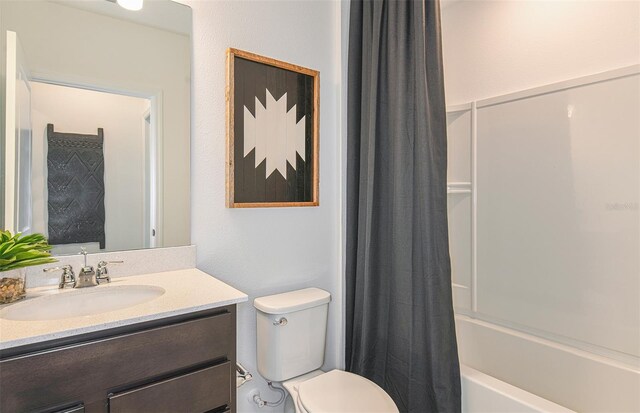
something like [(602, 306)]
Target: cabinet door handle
[(75, 409)]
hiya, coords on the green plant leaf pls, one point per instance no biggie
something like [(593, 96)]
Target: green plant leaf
[(33, 239), (4, 246), (7, 261), (28, 263), (27, 255), (4, 236), (17, 251)]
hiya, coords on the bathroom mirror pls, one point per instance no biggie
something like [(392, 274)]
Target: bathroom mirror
[(96, 123)]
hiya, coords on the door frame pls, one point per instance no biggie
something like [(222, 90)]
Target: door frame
[(17, 70)]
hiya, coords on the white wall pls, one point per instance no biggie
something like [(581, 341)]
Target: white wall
[(496, 47), (65, 44), (73, 110), (265, 251)]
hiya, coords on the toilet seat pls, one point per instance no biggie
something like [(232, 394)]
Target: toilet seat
[(341, 392)]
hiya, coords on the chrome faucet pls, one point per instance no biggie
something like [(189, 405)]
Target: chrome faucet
[(88, 277), (102, 273), (67, 279)]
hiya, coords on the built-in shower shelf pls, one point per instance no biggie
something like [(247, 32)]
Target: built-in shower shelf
[(459, 188)]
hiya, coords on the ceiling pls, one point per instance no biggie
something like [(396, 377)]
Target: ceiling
[(161, 14)]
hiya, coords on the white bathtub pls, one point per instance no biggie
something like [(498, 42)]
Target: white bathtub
[(482, 393), (538, 371)]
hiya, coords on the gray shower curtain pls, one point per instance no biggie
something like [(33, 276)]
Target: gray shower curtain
[(399, 322)]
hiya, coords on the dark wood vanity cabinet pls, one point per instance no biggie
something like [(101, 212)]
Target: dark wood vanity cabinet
[(179, 364)]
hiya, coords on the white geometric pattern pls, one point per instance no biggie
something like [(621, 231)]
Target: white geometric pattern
[(275, 135)]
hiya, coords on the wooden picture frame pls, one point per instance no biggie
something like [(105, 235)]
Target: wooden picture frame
[(272, 132)]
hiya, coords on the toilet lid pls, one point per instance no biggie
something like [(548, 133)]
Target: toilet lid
[(340, 391)]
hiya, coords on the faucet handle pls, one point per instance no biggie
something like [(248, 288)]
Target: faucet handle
[(51, 269), (103, 264), (102, 273), (83, 251), (68, 278)]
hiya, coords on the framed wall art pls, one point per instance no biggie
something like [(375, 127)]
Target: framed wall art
[(272, 132)]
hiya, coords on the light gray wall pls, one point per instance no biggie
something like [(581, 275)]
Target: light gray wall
[(495, 47), (266, 251)]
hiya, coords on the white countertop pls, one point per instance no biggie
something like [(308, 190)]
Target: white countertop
[(186, 291)]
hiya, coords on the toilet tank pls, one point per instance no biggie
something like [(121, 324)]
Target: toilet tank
[(291, 332)]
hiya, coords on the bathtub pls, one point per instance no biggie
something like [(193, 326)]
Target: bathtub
[(482, 393), (504, 370)]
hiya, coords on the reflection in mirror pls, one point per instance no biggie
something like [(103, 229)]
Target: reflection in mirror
[(95, 103)]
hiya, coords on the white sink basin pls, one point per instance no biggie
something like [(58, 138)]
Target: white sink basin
[(81, 302)]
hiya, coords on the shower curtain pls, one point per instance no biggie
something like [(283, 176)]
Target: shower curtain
[(399, 324)]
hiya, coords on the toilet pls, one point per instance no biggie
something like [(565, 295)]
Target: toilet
[(291, 333)]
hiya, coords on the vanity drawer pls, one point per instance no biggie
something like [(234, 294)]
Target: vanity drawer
[(196, 392), (86, 372)]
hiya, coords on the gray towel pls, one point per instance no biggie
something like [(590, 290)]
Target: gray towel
[(76, 187)]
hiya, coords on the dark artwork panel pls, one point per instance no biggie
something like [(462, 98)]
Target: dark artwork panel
[(253, 80), (75, 183), (308, 172)]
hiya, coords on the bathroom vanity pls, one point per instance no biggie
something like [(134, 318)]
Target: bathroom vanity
[(173, 353)]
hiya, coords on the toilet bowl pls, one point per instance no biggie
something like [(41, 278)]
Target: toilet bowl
[(290, 345), (337, 391)]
